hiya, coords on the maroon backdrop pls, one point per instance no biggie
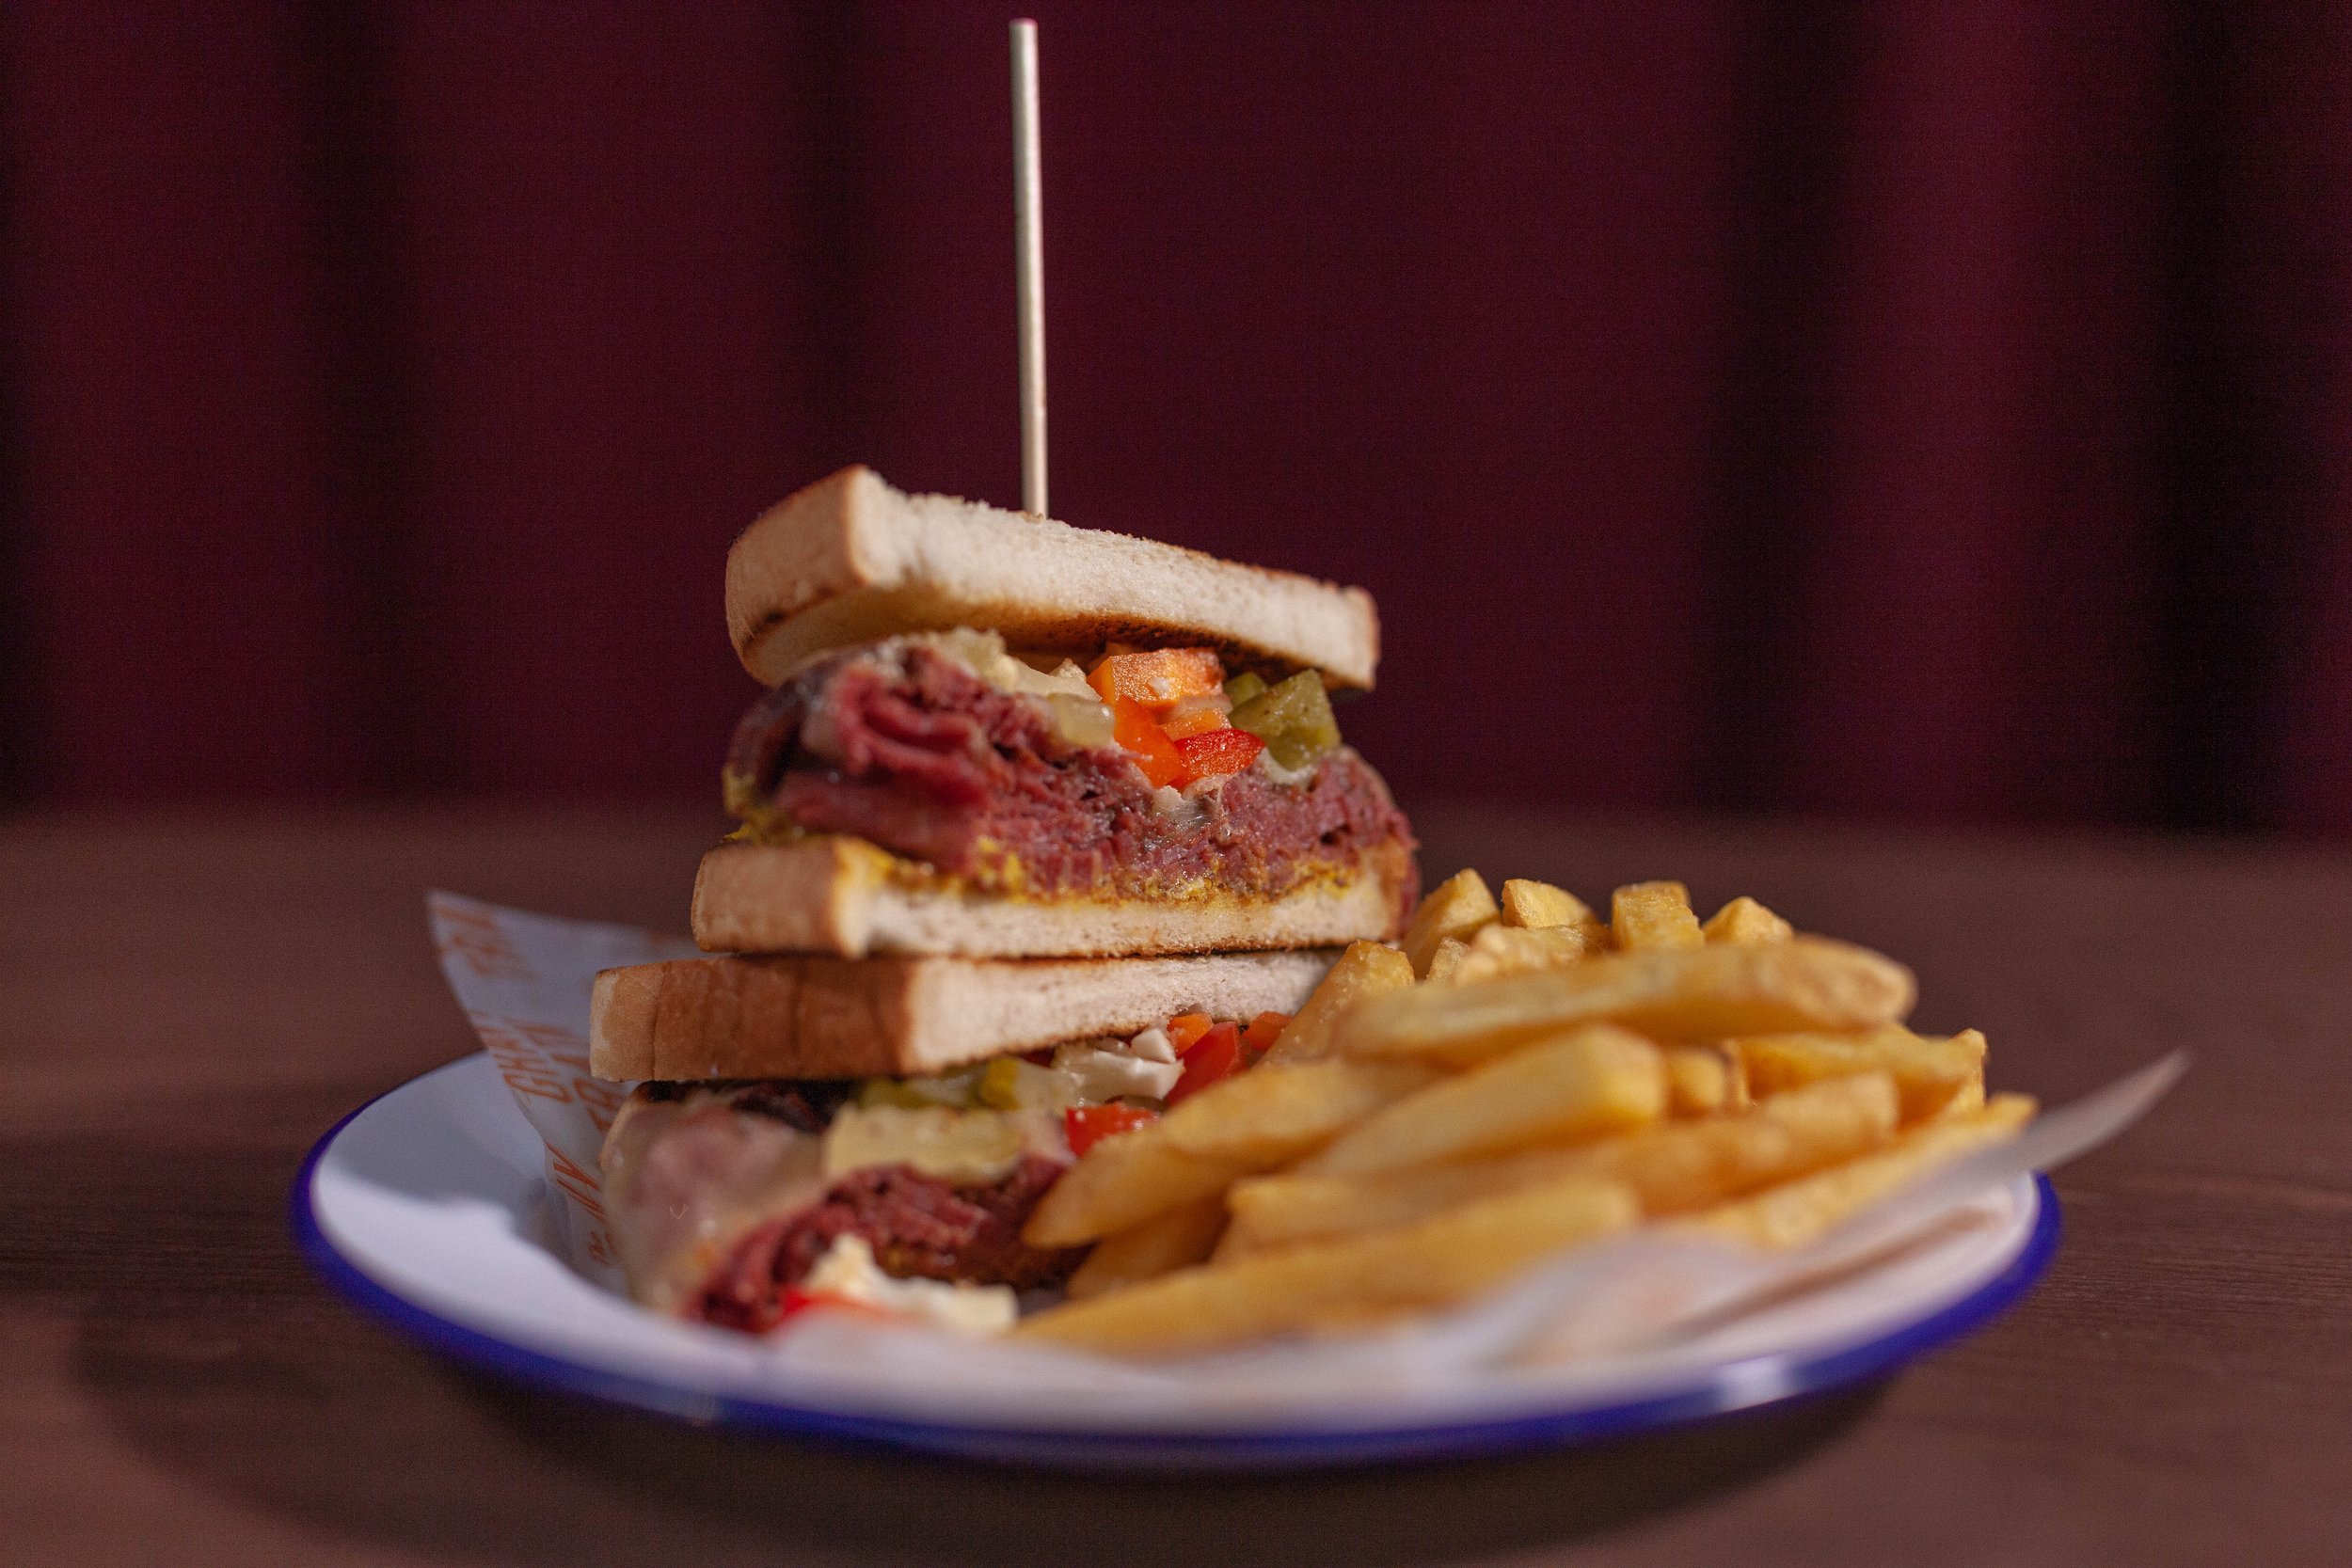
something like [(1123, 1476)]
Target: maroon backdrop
[(1925, 410)]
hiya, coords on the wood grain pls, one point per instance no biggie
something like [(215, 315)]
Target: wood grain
[(190, 1001)]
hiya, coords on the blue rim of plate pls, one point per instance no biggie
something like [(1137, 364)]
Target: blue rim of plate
[(1745, 1385)]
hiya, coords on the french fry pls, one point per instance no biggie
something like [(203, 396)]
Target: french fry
[(1540, 906), (1367, 968), (1552, 1077), (1745, 920), (1287, 1209), (1499, 950), (1796, 1212), (1698, 1080), (1278, 1112), (1675, 994), (1930, 1072), (1736, 1095), (1253, 1121), (1643, 915), (1445, 1259), (1176, 1239), (1588, 1082), (1685, 1165), (1121, 1183), (1455, 907), (1969, 1097), (1448, 958), (1671, 1168)]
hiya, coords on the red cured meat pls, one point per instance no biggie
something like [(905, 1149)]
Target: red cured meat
[(920, 1226), (923, 758)]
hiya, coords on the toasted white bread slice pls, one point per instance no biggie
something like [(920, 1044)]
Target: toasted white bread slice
[(842, 1017), (845, 896), (850, 560)]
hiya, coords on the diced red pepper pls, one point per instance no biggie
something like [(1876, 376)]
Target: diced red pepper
[(1089, 1125), (1159, 678), (1217, 1056), (1141, 735), (1185, 1029), (1197, 715), (1262, 1032), (792, 1300), (1219, 753)]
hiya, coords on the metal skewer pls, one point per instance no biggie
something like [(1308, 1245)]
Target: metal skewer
[(1029, 250)]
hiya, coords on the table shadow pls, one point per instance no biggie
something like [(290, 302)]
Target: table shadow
[(866, 1500)]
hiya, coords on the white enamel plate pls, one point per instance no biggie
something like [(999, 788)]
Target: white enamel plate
[(426, 1207)]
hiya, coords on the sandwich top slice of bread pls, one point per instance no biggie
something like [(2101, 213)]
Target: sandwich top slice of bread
[(792, 1016), (849, 560)]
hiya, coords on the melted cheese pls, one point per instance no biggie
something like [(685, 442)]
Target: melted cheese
[(968, 1147), (848, 1271)]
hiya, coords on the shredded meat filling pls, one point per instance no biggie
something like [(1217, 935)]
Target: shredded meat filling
[(917, 755), (919, 1226)]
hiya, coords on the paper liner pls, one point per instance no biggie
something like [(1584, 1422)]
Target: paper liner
[(524, 981)]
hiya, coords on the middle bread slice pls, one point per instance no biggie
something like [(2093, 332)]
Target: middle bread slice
[(818, 1017)]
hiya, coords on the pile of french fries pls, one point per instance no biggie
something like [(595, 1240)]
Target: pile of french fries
[(1523, 1077)]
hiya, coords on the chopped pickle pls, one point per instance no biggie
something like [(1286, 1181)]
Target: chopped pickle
[(1083, 721), (1293, 718), (954, 1089), (999, 1084), (1243, 687), (1009, 1084)]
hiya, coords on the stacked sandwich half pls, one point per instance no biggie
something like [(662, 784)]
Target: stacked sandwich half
[(1041, 831)]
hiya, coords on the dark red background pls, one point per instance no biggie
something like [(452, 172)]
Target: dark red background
[(1938, 411)]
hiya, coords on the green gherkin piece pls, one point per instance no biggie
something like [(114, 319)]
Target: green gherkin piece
[(1293, 718), (1242, 687), (1000, 1084), (877, 1092)]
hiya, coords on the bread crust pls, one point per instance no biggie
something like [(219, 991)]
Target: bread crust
[(812, 1016), (849, 560), (843, 895)]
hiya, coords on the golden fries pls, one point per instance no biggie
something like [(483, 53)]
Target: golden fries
[(1800, 1211), (1644, 915), (1674, 995), (1931, 1073), (1539, 906), (1250, 1122), (1455, 907), (1367, 968), (1698, 1080), (1122, 1181), (1176, 1239), (1685, 1165), (1594, 1080), (1499, 950), (1745, 920), (1281, 1112), (1671, 1168), (1444, 1260), (1447, 958), (1547, 1079)]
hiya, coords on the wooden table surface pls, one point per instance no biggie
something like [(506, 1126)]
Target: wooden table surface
[(190, 1002)]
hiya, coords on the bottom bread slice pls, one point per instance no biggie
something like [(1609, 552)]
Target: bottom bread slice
[(843, 895), (818, 1017)]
